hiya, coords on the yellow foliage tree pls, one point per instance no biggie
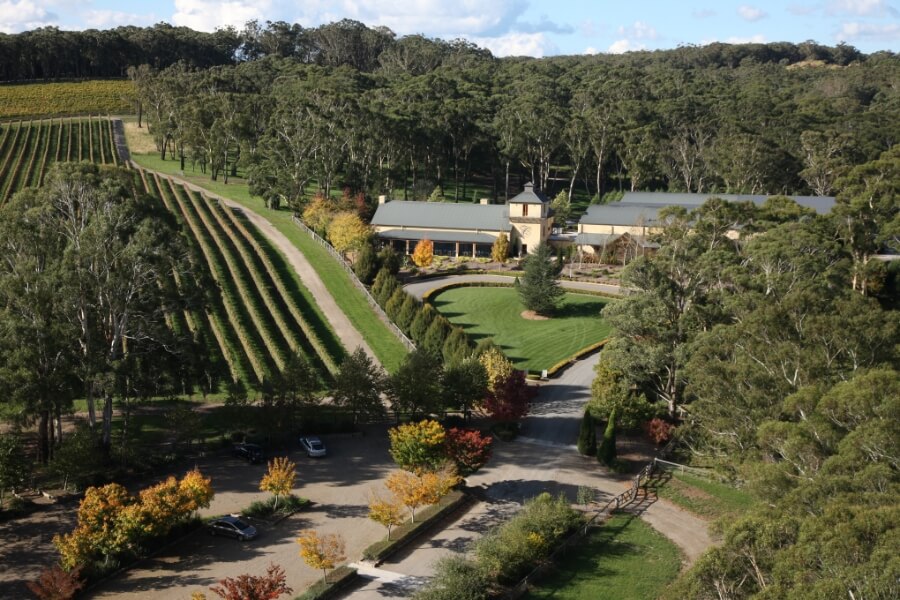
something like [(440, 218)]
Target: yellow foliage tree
[(318, 213), (418, 446), (423, 253), (500, 249), (195, 490), (280, 478), (348, 232), (498, 367), (437, 484), (321, 552), (386, 511)]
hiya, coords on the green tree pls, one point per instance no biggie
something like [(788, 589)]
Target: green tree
[(366, 265), (457, 346), (606, 451), (539, 289), (407, 313), (395, 303), (422, 321), (562, 208), (465, 385), (418, 447), (587, 435), (390, 260), (358, 386), (15, 466), (437, 333), (415, 389)]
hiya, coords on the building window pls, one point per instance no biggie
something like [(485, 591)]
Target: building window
[(524, 210)]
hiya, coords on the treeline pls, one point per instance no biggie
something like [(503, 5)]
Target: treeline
[(419, 118), (777, 358)]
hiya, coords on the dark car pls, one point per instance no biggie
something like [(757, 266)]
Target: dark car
[(252, 453), (232, 527)]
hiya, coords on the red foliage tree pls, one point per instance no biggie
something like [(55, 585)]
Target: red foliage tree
[(250, 587), (508, 401), (56, 584), (658, 430), (468, 449)]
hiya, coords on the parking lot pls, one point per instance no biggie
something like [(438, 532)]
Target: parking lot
[(337, 485)]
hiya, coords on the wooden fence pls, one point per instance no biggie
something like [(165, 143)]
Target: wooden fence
[(359, 284)]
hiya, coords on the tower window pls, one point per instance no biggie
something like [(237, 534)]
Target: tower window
[(524, 210)]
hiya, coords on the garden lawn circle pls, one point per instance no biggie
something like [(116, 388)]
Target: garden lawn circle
[(532, 345)]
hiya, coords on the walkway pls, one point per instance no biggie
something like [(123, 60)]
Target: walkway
[(419, 288), (343, 328)]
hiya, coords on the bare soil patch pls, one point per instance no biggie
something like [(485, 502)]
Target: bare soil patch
[(533, 316)]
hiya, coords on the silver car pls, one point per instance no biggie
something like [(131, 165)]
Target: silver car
[(313, 446), (232, 526)]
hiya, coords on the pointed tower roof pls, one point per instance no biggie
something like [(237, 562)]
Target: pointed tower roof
[(529, 196)]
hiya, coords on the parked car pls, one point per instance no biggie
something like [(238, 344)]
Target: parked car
[(232, 526), (252, 453), (313, 447)]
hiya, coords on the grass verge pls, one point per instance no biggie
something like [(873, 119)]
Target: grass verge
[(352, 302), (625, 559), (705, 498)]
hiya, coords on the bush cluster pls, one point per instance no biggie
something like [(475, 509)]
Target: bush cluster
[(505, 554)]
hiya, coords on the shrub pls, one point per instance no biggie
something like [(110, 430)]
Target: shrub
[(407, 313), (606, 452), (423, 255), (436, 335), (422, 322), (456, 578), (658, 430), (468, 449), (587, 437), (262, 509), (509, 551), (390, 260), (366, 265), (394, 303), (500, 249)]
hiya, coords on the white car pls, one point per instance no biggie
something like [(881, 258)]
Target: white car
[(313, 446)]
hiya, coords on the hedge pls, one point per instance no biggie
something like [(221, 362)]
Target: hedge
[(405, 534), (581, 353), (338, 580)]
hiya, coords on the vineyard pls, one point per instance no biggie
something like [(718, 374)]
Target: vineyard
[(28, 148), (107, 96), (257, 318)]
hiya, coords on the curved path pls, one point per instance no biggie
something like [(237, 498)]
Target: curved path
[(419, 288), (343, 328)]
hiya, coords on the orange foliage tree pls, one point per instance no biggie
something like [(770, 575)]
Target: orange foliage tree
[(414, 491), (280, 478), (321, 552), (253, 587), (423, 253)]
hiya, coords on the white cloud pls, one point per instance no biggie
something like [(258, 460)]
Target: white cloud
[(751, 13), (862, 8), (518, 44), (107, 19), (207, 15), (703, 13), (590, 50), (639, 31), (623, 46), (736, 39), (869, 31), (21, 15)]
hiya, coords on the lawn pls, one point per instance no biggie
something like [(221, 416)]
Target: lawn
[(385, 345), (495, 312), (705, 498), (625, 559)]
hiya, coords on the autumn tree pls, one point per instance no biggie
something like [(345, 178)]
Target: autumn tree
[(386, 511), (321, 551), (418, 446), (414, 490), (346, 232), (423, 253), (497, 366), (509, 400), (500, 249), (319, 213), (280, 478), (437, 484), (54, 583), (254, 587), (468, 449)]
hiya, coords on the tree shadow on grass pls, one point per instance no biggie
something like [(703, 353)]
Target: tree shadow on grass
[(572, 310)]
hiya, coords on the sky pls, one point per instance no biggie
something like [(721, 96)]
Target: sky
[(509, 27)]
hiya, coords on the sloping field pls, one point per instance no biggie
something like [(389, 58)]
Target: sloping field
[(99, 96), (28, 148), (257, 315)]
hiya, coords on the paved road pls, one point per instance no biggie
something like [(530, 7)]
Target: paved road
[(419, 288), (343, 328)]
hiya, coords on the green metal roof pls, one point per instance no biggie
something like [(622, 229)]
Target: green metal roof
[(529, 196), (446, 215), (820, 204)]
